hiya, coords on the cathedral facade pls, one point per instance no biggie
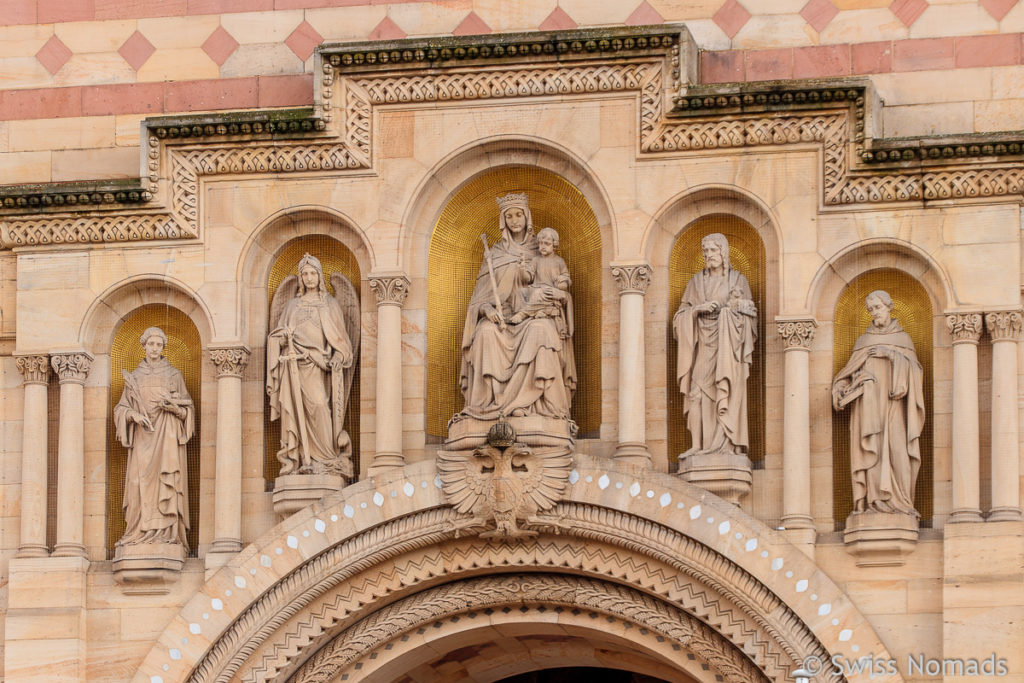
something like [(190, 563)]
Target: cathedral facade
[(472, 341)]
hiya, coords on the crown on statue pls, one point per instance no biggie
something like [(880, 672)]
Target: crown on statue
[(513, 199), (501, 434)]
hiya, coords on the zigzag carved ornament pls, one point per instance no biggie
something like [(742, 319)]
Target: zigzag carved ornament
[(654, 63)]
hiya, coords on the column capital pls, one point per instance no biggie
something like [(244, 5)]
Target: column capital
[(230, 360), (34, 367), (633, 278), (71, 366), (796, 333), (391, 288), (1004, 325), (964, 327)]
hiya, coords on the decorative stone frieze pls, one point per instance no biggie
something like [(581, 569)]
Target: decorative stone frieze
[(633, 278), (230, 360), (964, 327), (1004, 325), (72, 367), (796, 334), (34, 368), (391, 290)]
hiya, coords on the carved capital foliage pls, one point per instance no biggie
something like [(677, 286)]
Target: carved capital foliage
[(632, 279), (390, 289), (797, 334), (34, 368), (1004, 325), (964, 327), (72, 367), (230, 361)]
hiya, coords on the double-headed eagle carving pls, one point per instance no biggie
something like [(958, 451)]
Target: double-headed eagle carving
[(504, 481)]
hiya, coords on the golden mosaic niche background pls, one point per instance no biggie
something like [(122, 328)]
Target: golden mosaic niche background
[(184, 351), (913, 308), (747, 255), (456, 254), (335, 257)]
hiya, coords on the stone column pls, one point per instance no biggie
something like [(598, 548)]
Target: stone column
[(633, 280), (36, 372), (796, 425), (965, 328), (227, 526), (72, 368), (1005, 328), (391, 291)]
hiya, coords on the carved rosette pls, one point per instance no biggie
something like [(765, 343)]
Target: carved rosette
[(391, 290), (797, 334), (35, 368), (72, 367), (1004, 325), (632, 279), (964, 327), (230, 361)]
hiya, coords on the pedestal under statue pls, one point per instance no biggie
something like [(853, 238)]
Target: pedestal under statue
[(517, 354), (716, 329), (883, 386)]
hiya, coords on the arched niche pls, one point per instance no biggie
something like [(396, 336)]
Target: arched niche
[(184, 351), (671, 243), (103, 326), (747, 255), (454, 260), (912, 306), (335, 257)]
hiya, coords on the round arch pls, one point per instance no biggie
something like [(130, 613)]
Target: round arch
[(448, 176), (359, 552)]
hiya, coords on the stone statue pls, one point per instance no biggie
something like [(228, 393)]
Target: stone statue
[(715, 326), (517, 357), (154, 419), (311, 359), (883, 384)]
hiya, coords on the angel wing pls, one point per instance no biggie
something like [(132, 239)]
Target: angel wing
[(463, 482), (286, 291), (547, 473), (348, 300)]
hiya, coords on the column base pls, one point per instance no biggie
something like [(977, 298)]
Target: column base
[(33, 550), (68, 550), (1003, 514), (385, 462), (292, 492), (727, 475), (964, 517), (148, 568), (880, 539), (633, 453), (226, 545)]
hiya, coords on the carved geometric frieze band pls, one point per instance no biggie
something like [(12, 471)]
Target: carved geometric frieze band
[(551, 590), (964, 327), (1004, 325), (742, 603)]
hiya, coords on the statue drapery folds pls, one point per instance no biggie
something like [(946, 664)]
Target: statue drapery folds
[(517, 355), (311, 356), (715, 326), (883, 385), (154, 419)]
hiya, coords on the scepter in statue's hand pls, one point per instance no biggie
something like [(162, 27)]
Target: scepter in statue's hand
[(494, 283)]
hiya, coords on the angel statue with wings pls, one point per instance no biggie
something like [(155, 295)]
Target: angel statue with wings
[(311, 359)]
